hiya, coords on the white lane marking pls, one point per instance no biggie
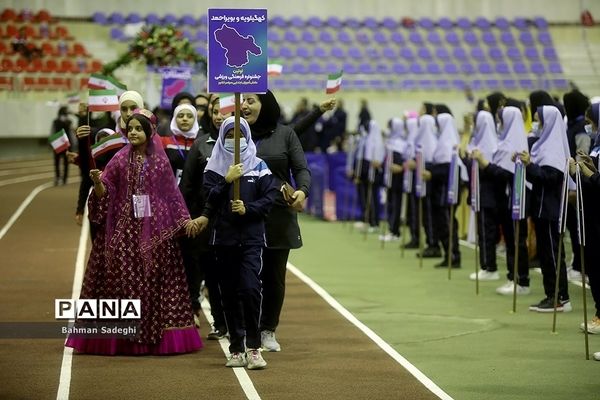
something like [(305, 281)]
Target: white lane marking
[(22, 207), (8, 172), (27, 178), (428, 383), (64, 384), (240, 372)]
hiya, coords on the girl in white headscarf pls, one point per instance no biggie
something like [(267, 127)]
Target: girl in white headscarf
[(500, 170), (373, 156), (412, 127), (396, 145), (184, 126), (485, 141), (545, 170)]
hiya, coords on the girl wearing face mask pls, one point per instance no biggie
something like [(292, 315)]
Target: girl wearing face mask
[(193, 193), (238, 236), (143, 212), (279, 147)]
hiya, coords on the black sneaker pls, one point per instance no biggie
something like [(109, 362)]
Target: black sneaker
[(412, 245), (547, 306), (216, 334), (431, 252), (444, 264)]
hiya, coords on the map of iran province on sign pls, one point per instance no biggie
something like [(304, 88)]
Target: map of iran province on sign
[(236, 46)]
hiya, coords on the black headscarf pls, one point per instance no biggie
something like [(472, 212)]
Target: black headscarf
[(575, 104), (510, 102), (428, 108), (540, 98), (268, 116), (180, 96), (494, 100)]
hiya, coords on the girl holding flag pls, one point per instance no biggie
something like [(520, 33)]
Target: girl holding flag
[(500, 170), (485, 141), (545, 169), (61, 130), (412, 127), (392, 176)]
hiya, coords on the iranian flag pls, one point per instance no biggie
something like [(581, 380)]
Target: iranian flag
[(97, 81), (103, 100), (274, 68), (108, 143), (59, 141), (334, 82), (226, 103), (73, 98)]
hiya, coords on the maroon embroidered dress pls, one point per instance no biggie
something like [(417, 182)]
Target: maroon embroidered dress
[(139, 258)]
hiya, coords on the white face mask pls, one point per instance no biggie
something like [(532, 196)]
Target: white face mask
[(230, 145), (588, 129), (535, 127)]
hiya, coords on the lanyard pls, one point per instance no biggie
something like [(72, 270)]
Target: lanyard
[(178, 147)]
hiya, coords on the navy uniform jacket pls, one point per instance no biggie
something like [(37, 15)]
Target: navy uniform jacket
[(257, 191), (547, 184)]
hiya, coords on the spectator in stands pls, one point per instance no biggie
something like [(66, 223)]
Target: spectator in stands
[(279, 147), (62, 122)]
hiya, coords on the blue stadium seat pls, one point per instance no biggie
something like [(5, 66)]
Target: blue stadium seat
[(445, 23), (315, 68), (520, 23), (433, 68), (278, 21), (153, 19), (478, 54), (362, 38), (134, 18), (169, 19), (467, 68), (338, 52), (416, 68), (365, 68), (372, 52), (482, 23), (555, 68), (390, 23), (549, 54), (325, 36), (344, 37), (415, 38), (531, 54), (545, 38), (538, 68), (390, 53), (273, 35), (463, 23), (526, 38), (116, 18), (285, 52), (495, 53), (451, 69), (442, 53), (470, 38), (509, 84), (308, 37), (320, 52), (290, 36), (488, 38), (426, 23), (334, 22), (434, 37), (355, 52), (100, 18), (400, 68), (502, 23), (520, 68), (188, 20), (296, 21), (397, 37), (272, 52), (459, 53), (452, 38), (513, 53), (315, 22), (380, 37), (507, 38), (503, 68), (302, 52), (485, 68), (407, 54), (352, 23), (371, 23), (540, 22), (424, 53)]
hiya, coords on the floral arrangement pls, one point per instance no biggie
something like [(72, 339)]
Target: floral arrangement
[(158, 46)]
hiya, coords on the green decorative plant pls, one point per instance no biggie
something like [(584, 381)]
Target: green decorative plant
[(158, 46)]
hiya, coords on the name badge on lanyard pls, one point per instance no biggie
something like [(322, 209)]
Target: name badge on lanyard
[(178, 175), (141, 206)]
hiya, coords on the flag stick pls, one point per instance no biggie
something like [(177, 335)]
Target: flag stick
[(346, 203), (477, 252), (450, 234), (403, 221), (516, 262), (236, 153), (420, 234), (581, 229), (384, 222), (585, 331), (356, 181), (557, 278), (368, 209)]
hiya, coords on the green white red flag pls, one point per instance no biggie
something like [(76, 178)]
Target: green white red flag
[(107, 144), (59, 141), (103, 100), (334, 83)]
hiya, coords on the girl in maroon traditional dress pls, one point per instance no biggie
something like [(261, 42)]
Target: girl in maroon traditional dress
[(138, 198)]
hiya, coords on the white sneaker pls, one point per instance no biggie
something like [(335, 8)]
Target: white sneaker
[(236, 360), (358, 225), (389, 237), (593, 326), (269, 343), (573, 275), (597, 356), (508, 288), (255, 359), (485, 275)]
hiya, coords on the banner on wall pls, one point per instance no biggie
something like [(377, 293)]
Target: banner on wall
[(237, 50), (174, 80)]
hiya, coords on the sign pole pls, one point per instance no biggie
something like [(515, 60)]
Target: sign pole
[(236, 153)]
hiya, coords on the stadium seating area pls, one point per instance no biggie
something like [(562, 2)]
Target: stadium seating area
[(393, 53), (37, 53)]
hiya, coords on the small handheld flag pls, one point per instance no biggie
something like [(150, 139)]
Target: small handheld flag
[(103, 100), (407, 179), (453, 178), (518, 191), (98, 81), (73, 98), (334, 82), (59, 141), (474, 180), (226, 103), (420, 188), (107, 144), (274, 67)]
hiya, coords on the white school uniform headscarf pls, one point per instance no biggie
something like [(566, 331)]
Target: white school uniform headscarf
[(484, 135), (447, 139), (396, 142), (221, 159), (412, 126), (552, 148), (374, 147), (426, 136), (193, 132), (513, 139)]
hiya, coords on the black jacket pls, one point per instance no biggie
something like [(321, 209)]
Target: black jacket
[(546, 192)]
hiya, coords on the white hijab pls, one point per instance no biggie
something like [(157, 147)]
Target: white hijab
[(191, 134), (397, 140), (513, 139), (426, 137), (221, 159), (552, 148), (447, 139), (412, 126), (374, 147), (484, 136)]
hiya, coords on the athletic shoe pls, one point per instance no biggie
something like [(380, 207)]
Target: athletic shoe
[(389, 237), (508, 288), (593, 326), (412, 245), (216, 334), (574, 275), (444, 264), (255, 359), (547, 306), (236, 360), (269, 343), (358, 225), (484, 275), (431, 252), (197, 319), (597, 356)]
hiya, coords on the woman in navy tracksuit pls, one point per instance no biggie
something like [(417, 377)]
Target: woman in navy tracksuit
[(238, 237), (545, 170)]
